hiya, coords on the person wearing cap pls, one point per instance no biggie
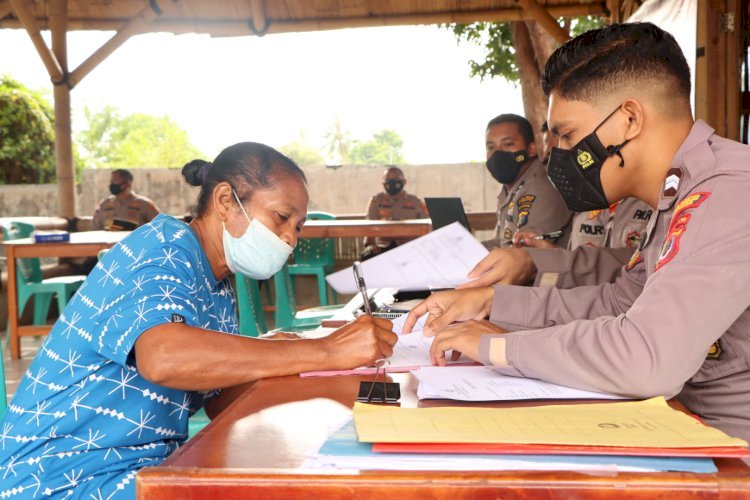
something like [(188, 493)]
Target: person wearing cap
[(393, 203), (527, 199)]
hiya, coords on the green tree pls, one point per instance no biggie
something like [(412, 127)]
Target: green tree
[(137, 140), (301, 152), (384, 148), (338, 142), (517, 52), (27, 135)]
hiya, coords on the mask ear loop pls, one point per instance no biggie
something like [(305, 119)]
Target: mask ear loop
[(614, 150), (240, 204)]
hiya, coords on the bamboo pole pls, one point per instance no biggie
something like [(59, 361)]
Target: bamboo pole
[(65, 168), (240, 28), (136, 25), (545, 20), (28, 22)]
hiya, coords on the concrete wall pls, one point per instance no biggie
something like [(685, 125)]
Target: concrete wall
[(342, 190)]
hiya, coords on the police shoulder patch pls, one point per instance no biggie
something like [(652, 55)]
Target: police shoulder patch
[(636, 259), (677, 227)]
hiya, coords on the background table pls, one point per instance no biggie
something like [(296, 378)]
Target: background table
[(252, 449), (363, 227), (85, 244)]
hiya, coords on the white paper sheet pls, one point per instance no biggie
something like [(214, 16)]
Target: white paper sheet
[(479, 383), (440, 259)]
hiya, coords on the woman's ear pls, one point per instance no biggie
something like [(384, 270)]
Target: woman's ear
[(222, 200), (635, 115)]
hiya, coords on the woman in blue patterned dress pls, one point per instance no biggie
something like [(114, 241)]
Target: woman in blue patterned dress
[(144, 343)]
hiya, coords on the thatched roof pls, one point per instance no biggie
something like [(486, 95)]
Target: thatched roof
[(248, 17)]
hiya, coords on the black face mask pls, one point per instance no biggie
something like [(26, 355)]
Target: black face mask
[(115, 189), (505, 166), (576, 172), (393, 186)]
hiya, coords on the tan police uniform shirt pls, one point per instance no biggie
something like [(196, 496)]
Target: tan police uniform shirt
[(402, 206), (531, 203), (134, 208), (601, 242), (677, 320)]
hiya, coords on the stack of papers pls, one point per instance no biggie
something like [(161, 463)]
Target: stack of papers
[(440, 259), (641, 426), (481, 383), (342, 451)]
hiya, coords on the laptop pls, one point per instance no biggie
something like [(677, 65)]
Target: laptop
[(445, 211)]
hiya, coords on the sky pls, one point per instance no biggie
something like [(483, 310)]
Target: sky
[(414, 80)]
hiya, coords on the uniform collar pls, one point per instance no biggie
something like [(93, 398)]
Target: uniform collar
[(398, 196), (531, 171)]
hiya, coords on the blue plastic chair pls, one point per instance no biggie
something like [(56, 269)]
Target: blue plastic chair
[(314, 256), (287, 315), (31, 282), (249, 306)]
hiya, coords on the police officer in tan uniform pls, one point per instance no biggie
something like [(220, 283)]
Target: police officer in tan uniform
[(392, 204), (676, 323), (527, 199), (123, 204)]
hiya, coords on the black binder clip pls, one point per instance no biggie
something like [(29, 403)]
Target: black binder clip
[(379, 392)]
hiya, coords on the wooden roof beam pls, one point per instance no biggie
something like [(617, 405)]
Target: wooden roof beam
[(137, 25), (28, 21), (228, 27), (545, 20), (5, 8)]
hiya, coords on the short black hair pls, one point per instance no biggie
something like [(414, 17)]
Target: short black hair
[(599, 61), (394, 168), (524, 126), (124, 173), (246, 166)]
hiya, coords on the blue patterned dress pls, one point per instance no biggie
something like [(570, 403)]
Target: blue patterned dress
[(84, 420)]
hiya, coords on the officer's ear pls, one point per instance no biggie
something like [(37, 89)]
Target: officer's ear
[(635, 114), (531, 149)]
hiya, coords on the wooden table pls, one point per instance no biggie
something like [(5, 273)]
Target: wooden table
[(85, 244), (252, 450)]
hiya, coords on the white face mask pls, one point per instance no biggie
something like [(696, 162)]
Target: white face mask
[(258, 253)]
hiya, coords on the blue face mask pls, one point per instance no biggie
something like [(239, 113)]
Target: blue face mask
[(258, 253)]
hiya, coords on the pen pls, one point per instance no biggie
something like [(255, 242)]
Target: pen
[(361, 284), (548, 236)]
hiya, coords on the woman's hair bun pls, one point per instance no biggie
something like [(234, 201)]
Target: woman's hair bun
[(195, 172)]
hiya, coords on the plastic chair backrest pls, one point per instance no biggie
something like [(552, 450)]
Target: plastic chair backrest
[(3, 396), (28, 270), (315, 251), (286, 304), (249, 304)]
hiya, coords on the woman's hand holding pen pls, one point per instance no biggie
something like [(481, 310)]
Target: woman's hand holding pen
[(360, 343)]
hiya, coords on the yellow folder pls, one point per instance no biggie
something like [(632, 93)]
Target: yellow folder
[(650, 423)]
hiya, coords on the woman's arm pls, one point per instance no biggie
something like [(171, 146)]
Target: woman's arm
[(188, 358)]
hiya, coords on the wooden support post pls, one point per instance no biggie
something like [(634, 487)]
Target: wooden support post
[(133, 27), (26, 17), (717, 80), (545, 20), (65, 168)]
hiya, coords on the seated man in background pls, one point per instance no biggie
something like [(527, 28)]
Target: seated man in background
[(392, 204), (527, 199), (601, 242), (123, 209)]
